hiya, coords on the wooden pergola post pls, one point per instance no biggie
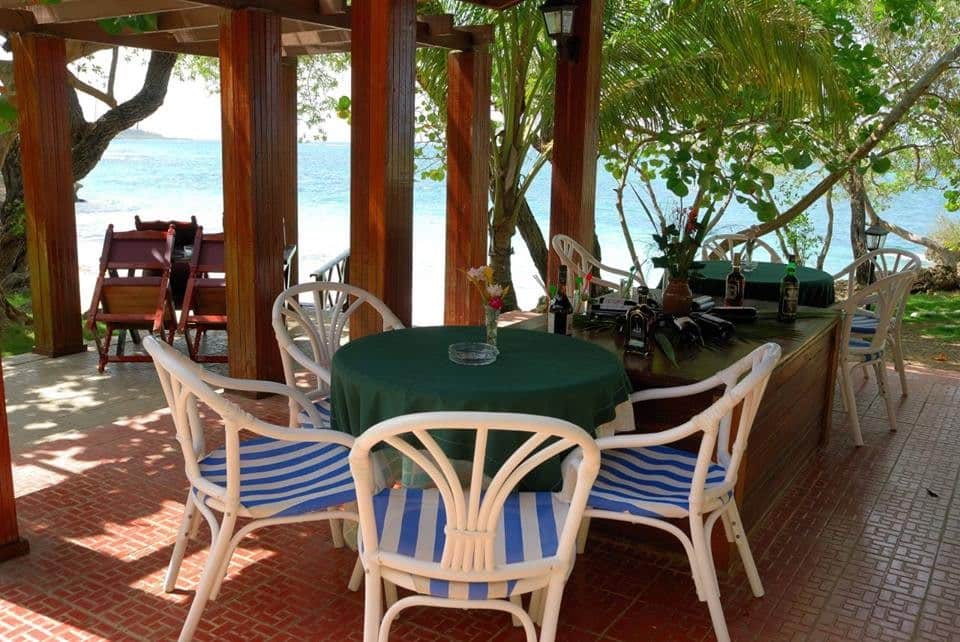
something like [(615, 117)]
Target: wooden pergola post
[(256, 187), (383, 81), (11, 544), (40, 74), (468, 180), (288, 156), (575, 131)]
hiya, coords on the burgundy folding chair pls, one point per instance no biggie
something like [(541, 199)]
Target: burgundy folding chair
[(141, 300), (205, 301)]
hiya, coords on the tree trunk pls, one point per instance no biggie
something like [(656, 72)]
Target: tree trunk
[(90, 141), (858, 221), (935, 251), (828, 237), (533, 237)]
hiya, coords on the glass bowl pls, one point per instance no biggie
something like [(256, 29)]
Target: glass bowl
[(473, 354)]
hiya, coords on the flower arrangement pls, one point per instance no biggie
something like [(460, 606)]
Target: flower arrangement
[(679, 241), (492, 293), (581, 291)]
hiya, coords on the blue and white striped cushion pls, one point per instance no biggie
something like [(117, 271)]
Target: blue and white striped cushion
[(862, 344), (864, 324), (323, 409), (411, 521), (283, 478), (649, 482)]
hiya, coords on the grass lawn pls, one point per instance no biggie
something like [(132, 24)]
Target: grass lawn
[(17, 338), (931, 330)]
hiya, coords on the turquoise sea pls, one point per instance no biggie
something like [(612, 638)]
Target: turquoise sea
[(167, 178)]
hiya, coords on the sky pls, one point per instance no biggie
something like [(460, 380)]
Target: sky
[(189, 111)]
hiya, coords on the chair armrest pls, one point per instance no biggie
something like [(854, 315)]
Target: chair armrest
[(646, 440), (267, 387), (284, 433), (677, 391)]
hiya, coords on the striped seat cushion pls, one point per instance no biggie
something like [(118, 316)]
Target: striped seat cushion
[(323, 409), (284, 478), (650, 482), (864, 324), (864, 344), (411, 521)]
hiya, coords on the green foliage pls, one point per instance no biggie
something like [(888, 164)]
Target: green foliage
[(801, 238), (946, 232), (8, 114), (140, 24)]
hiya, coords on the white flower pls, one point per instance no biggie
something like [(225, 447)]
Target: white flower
[(475, 274), (494, 290)]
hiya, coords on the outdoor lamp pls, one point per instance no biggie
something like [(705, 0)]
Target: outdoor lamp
[(558, 18), (876, 236)]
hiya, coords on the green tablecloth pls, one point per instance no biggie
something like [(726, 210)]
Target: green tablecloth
[(763, 283), (405, 371)]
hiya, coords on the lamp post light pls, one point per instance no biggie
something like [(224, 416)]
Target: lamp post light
[(558, 18), (876, 237)]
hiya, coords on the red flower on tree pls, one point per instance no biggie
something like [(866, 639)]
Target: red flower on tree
[(692, 220)]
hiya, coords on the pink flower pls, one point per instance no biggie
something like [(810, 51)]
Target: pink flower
[(495, 302)]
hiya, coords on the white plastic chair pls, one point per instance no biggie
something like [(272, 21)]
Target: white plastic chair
[(721, 247), (643, 480), (886, 262), (861, 350), (321, 324), (580, 263), (282, 476), (483, 546)]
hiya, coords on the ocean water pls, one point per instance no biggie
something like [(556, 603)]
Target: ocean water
[(178, 178)]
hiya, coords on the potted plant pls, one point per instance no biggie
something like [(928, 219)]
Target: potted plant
[(679, 242)]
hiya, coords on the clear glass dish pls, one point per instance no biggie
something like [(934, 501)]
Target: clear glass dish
[(473, 353)]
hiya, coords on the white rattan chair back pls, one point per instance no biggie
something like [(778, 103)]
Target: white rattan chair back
[(185, 384), (743, 386), (580, 263), (885, 262), (886, 297), (722, 247), (323, 322), (473, 511)]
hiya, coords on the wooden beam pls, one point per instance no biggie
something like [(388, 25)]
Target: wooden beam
[(11, 544), (93, 32), (383, 82), (64, 12), (40, 73), (197, 18), (254, 187), (468, 181), (575, 131), (288, 158)]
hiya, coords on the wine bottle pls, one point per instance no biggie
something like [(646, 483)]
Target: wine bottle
[(552, 296), (789, 293), (735, 284), (641, 323), (560, 307)]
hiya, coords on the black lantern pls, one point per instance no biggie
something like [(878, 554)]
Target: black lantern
[(876, 236), (558, 18)]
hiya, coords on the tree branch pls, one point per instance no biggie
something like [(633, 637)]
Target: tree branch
[(90, 90), (894, 116)]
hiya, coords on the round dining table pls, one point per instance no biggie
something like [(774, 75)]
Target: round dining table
[(763, 282), (390, 374)]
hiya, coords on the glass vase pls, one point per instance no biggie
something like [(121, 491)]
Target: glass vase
[(491, 318)]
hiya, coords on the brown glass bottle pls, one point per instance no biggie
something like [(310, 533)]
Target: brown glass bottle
[(733, 295)]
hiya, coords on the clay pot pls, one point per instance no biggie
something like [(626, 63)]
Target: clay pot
[(678, 297)]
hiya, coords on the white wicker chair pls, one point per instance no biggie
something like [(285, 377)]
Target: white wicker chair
[(465, 548), (721, 247), (860, 350), (321, 324), (283, 476), (580, 262), (885, 262), (643, 480)]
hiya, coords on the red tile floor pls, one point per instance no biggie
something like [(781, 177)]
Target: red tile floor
[(865, 545)]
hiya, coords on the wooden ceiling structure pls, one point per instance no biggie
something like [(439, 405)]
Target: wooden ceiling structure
[(257, 43)]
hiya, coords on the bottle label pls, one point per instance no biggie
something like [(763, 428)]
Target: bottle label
[(550, 321), (789, 300), (733, 292)]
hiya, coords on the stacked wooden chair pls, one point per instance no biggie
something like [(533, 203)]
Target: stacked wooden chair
[(205, 300), (183, 235), (138, 300)]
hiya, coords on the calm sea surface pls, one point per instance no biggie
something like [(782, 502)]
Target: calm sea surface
[(179, 178)]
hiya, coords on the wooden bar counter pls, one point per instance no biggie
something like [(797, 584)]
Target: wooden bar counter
[(792, 422)]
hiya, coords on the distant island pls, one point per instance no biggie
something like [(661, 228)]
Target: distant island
[(140, 134)]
